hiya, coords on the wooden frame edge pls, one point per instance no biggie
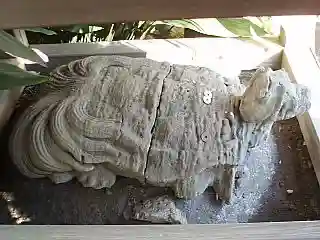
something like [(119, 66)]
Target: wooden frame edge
[(250, 231), (205, 51), (300, 63), (33, 13)]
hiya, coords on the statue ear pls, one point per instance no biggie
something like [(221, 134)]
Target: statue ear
[(262, 99), (260, 82), (256, 94)]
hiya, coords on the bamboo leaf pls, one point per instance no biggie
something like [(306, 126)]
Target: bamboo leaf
[(41, 30), (80, 28), (221, 27), (12, 76), (13, 47), (184, 23), (242, 27), (207, 26), (147, 31)]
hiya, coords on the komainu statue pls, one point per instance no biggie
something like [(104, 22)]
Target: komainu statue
[(177, 126)]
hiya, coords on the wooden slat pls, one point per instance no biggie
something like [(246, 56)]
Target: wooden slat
[(300, 63), (219, 54), (257, 231), (27, 13), (303, 69)]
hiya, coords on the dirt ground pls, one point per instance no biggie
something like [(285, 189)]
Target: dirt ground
[(282, 165)]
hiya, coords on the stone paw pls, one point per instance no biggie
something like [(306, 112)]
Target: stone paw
[(61, 177), (100, 177)]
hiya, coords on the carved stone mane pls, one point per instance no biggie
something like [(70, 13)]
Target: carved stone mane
[(183, 127)]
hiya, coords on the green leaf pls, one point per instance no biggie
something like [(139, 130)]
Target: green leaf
[(94, 28), (207, 26), (221, 27), (80, 28), (184, 23), (211, 26), (241, 27), (12, 46), (84, 28), (41, 30), (12, 76)]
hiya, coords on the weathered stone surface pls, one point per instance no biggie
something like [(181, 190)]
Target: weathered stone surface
[(159, 210), (99, 177), (191, 135), (182, 127), (271, 96)]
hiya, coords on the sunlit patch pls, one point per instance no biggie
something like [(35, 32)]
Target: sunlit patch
[(14, 212), (8, 197)]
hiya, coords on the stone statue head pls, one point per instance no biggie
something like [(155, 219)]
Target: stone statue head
[(271, 96)]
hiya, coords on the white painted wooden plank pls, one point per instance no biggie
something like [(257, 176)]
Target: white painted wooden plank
[(303, 69), (301, 64), (253, 231), (228, 56), (86, 49), (64, 53)]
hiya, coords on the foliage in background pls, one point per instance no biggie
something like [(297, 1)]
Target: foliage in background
[(215, 27), (12, 76)]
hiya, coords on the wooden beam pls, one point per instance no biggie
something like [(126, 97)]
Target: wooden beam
[(303, 69), (301, 64), (253, 231), (219, 54), (28, 13)]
